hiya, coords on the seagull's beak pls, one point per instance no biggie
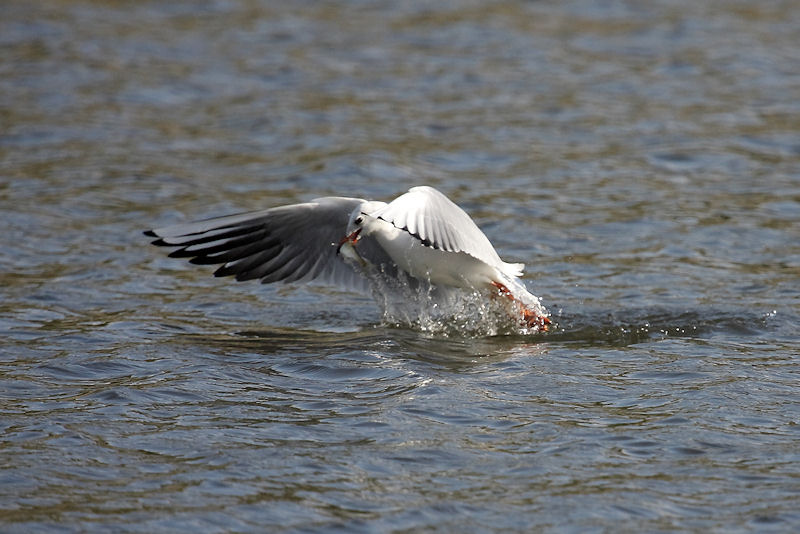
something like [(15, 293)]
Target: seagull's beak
[(351, 238)]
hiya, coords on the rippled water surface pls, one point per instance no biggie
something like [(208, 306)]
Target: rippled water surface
[(643, 160)]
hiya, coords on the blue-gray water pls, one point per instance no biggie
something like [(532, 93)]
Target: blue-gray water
[(643, 159)]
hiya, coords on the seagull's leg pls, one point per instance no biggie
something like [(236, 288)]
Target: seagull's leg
[(531, 318)]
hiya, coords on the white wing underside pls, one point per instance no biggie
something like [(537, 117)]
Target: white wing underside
[(432, 217)]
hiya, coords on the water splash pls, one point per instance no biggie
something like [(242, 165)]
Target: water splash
[(447, 311), (406, 301)]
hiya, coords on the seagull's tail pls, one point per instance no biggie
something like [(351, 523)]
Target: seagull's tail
[(513, 270)]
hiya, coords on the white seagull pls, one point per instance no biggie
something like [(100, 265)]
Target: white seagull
[(348, 241)]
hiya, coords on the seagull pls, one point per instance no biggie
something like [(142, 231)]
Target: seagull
[(421, 236)]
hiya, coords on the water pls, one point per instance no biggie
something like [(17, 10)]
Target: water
[(642, 160)]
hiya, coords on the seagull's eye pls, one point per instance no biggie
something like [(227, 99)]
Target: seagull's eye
[(359, 219)]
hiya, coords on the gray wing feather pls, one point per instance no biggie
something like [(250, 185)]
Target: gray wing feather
[(296, 243)]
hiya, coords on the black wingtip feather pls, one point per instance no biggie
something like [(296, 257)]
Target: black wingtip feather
[(224, 270), (180, 253), (150, 233)]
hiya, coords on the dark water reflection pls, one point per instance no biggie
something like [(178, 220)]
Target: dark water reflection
[(642, 160)]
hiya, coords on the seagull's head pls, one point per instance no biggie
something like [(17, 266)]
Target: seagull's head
[(354, 228), (360, 218)]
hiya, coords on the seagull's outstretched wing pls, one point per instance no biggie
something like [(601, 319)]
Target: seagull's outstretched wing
[(295, 243), (439, 223)]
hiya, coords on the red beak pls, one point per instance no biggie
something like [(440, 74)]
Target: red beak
[(352, 238)]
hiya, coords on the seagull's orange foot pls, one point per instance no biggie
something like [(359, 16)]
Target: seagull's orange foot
[(535, 320), (532, 319)]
